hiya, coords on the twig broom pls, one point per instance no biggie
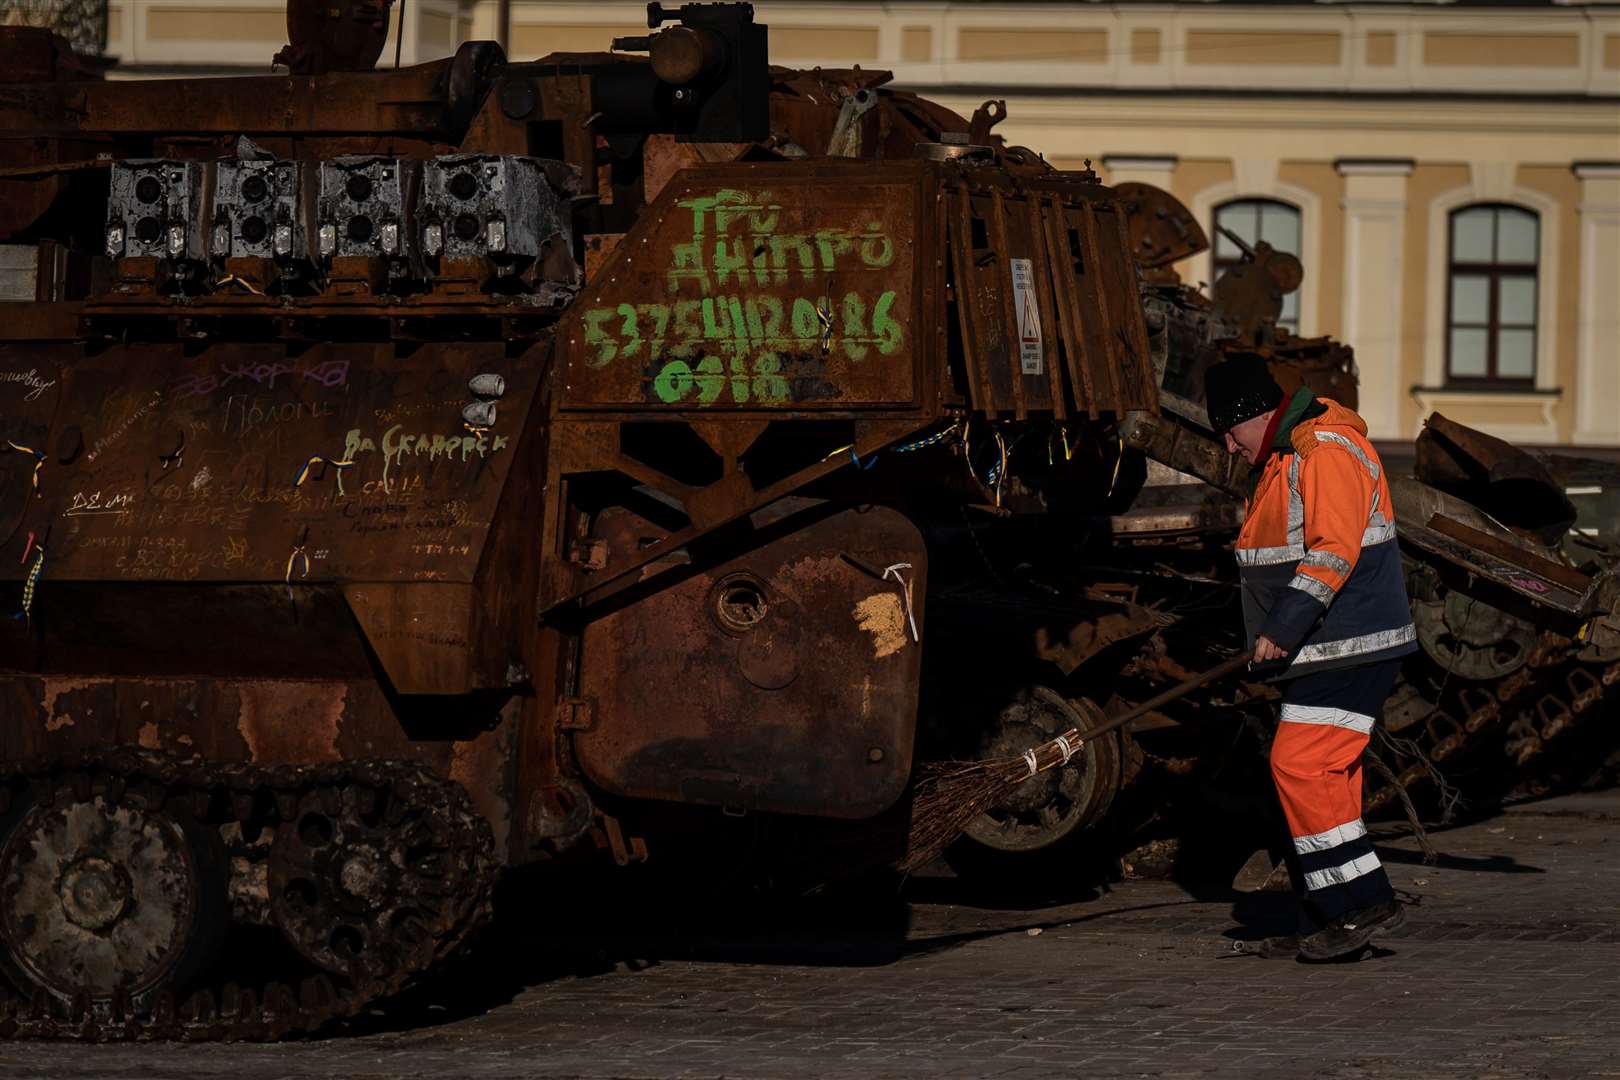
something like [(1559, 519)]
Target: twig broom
[(948, 795)]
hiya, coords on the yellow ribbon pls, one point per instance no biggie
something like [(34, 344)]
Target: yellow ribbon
[(297, 553), (1062, 433), (232, 279)]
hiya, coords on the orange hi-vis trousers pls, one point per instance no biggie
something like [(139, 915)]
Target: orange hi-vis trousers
[(1327, 719)]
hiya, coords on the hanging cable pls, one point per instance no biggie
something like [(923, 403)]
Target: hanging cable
[(905, 594)]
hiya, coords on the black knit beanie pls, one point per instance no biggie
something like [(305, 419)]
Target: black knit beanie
[(1239, 389)]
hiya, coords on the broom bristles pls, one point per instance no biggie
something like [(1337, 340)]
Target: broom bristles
[(948, 795)]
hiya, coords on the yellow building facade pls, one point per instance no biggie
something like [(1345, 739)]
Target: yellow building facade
[(1449, 174)]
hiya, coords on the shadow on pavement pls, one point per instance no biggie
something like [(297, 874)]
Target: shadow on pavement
[(624, 924), (1482, 864)]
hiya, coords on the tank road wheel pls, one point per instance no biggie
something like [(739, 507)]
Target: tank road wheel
[(1471, 639), (370, 885), (1048, 811), (106, 899)]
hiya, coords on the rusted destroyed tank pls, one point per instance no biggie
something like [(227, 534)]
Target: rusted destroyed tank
[(415, 474)]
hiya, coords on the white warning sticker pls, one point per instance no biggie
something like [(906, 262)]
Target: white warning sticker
[(1031, 355)]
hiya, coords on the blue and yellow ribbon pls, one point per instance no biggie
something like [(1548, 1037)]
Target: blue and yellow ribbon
[(309, 464), (39, 461), (303, 473)]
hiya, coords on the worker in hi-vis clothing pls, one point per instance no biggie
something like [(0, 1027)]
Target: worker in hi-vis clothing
[(1324, 604)]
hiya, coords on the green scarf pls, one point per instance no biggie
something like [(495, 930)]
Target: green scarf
[(1302, 406)]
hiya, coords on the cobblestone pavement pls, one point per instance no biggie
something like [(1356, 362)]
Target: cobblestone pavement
[(1509, 967)]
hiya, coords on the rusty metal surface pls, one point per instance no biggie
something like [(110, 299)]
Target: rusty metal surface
[(1079, 315), (1505, 481), (323, 36), (1188, 451), (262, 720), (1325, 366), (805, 106), (783, 679), (1162, 230), (256, 464), (394, 100), (202, 457), (1541, 572), (1069, 647), (759, 287)]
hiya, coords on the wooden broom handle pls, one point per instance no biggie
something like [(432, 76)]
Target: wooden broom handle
[(1219, 671)]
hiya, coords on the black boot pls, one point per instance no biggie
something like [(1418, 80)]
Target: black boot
[(1350, 932)]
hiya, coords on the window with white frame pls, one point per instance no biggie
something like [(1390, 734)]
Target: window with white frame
[(1491, 295), (1254, 220)]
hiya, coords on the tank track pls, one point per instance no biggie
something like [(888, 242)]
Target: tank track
[(1506, 727), (255, 798)]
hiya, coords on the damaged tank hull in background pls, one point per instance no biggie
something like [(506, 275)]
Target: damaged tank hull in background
[(1515, 605)]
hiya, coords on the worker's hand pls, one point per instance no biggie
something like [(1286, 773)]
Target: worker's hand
[(1266, 649)]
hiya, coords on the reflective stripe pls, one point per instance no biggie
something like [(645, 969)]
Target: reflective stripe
[(1339, 440), (1356, 646), (1269, 556), (1377, 534), (1339, 834), (1338, 875), (1327, 561), (1296, 505), (1328, 716), (1318, 590)]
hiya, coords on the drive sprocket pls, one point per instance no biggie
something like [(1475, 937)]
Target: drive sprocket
[(125, 844)]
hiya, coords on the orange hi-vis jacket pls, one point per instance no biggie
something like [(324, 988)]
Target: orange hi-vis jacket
[(1320, 565)]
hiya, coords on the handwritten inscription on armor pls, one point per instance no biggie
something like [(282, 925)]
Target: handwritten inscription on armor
[(29, 380), (722, 338)]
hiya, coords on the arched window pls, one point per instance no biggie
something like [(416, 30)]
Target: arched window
[(1491, 295), (1277, 223)]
